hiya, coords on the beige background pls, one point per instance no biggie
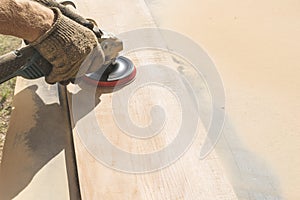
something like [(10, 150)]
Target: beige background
[(255, 45)]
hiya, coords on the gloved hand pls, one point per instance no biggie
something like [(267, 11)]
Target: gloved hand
[(66, 46)]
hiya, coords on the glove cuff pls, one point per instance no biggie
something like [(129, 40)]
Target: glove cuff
[(57, 20), (62, 44), (61, 33)]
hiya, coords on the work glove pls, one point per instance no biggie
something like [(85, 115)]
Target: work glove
[(66, 46)]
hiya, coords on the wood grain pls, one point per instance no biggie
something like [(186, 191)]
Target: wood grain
[(188, 177)]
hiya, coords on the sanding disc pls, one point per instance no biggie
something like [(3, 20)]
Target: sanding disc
[(121, 72)]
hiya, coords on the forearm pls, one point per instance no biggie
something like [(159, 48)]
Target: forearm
[(25, 19)]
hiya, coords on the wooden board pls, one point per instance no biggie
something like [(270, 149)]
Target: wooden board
[(38, 158), (188, 177)]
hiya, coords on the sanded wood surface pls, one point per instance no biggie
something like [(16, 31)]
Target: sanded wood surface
[(38, 158), (188, 177)]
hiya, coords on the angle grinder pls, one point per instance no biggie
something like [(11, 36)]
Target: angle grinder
[(28, 63)]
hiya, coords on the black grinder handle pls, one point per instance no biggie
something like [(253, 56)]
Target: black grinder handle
[(25, 62)]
